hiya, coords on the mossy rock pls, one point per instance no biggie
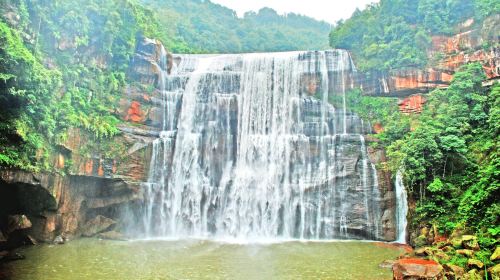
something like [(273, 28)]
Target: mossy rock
[(420, 241), (471, 244), (495, 272), (456, 243), (441, 256), (496, 255), (465, 252), (473, 263), (473, 274)]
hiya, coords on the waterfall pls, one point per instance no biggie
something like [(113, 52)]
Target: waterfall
[(402, 208), (250, 148)]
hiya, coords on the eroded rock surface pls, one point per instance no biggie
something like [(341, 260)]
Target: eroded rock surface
[(417, 269), (446, 55)]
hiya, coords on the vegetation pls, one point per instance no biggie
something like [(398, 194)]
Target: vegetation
[(449, 155), (209, 27), (394, 34), (62, 65)]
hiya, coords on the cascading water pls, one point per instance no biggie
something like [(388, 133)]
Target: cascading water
[(250, 148), (402, 208)]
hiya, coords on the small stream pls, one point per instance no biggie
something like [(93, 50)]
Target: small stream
[(201, 259)]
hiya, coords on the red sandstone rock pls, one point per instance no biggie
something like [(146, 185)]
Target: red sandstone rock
[(378, 128), (446, 55), (405, 269), (412, 104), (135, 113), (89, 166)]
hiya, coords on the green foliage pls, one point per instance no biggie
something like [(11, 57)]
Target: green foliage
[(373, 109), (395, 34), (450, 157), (209, 27), (63, 65), (458, 260)]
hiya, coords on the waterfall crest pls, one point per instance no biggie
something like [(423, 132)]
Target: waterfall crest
[(250, 148)]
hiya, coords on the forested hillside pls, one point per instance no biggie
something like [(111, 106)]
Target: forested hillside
[(208, 27), (63, 63), (448, 153), (395, 34)]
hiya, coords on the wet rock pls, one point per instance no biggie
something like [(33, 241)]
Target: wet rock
[(496, 255), (456, 243), (387, 263), (29, 240), (454, 271), (420, 251), (59, 240), (97, 225), (465, 252), (417, 269), (473, 274), (17, 222), (112, 235), (470, 242), (420, 241), (494, 271), (440, 255), (11, 256), (3, 254), (448, 249), (473, 263)]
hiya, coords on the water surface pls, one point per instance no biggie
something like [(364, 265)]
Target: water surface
[(200, 259)]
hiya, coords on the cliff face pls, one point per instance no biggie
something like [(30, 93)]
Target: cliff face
[(446, 54), (91, 189)]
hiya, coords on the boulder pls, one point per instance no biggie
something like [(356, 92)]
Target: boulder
[(3, 254), (494, 272), (454, 271), (29, 240), (470, 242), (417, 269), (473, 274), (59, 240), (422, 251), (496, 255), (11, 256), (473, 263), (97, 225), (465, 252), (17, 222), (112, 235), (440, 255), (448, 249), (387, 263), (420, 241), (456, 243)]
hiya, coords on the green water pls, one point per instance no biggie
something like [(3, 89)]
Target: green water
[(197, 259)]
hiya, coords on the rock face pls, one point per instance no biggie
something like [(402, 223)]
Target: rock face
[(98, 187), (412, 104), (446, 54), (97, 225), (61, 204), (417, 269), (221, 128), (99, 184)]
